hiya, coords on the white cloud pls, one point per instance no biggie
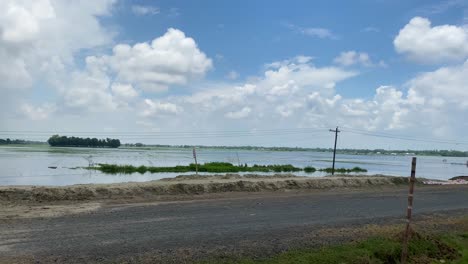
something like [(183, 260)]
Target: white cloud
[(88, 91), (289, 108), (143, 10), (232, 75), (422, 43), (172, 59), (443, 88), (279, 93), (317, 32), (14, 73), (35, 36), (36, 113), (153, 108), (21, 23), (124, 91), (243, 113), (352, 57), (39, 41)]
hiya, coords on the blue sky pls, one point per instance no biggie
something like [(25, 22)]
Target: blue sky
[(249, 34), (382, 67)]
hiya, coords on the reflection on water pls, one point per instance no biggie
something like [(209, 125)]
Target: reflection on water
[(28, 165)]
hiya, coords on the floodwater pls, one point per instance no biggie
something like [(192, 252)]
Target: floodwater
[(29, 165)]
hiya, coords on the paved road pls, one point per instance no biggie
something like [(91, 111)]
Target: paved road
[(245, 222)]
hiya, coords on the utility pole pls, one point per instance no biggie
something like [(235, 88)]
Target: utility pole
[(336, 131), (409, 210), (196, 163)]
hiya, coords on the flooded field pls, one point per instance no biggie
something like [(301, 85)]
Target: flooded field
[(29, 165)]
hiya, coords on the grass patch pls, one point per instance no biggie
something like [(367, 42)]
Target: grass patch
[(310, 169), (343, 170), (215, 167), (422, 249)]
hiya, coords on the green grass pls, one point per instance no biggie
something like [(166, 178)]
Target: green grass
[(310, 169), (460, 243), (343, 170), (422, 249), (216, 167)]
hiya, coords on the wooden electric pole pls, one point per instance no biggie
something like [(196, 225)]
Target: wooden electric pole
[(336, 131), (195, 157), (409, 211)]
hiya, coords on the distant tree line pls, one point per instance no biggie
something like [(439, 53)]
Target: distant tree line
[(8, 141), (64, 141), (12, 141)]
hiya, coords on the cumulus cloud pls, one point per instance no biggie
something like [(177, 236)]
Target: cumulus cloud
[(88, 91), (37, 113), (444, 88), (421, 42), (155, 108), (296, 93), (124, 91), (172, 59), (38, 43), (21, 22), (279, 93)]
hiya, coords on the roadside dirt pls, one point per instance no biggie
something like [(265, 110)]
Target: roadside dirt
[(187, 185)]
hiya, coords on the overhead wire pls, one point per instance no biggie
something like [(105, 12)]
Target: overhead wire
[(449, 142)]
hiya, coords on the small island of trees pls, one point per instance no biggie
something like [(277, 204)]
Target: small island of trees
[(64, 141)]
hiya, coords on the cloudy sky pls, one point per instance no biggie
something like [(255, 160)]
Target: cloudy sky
[(390, 74)]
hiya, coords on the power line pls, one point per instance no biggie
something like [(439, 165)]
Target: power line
[(200, 134), (403, 136), (449, 142)]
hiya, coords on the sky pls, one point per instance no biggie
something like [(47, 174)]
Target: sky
[(389, 74)]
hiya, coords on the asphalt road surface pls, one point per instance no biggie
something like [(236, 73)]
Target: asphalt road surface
[(171, 231)]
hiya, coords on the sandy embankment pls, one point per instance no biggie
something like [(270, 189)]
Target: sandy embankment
[(188, 186)]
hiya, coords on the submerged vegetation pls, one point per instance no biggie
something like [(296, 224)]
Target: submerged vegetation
[(343, 170), (64, 141), (215, 167)]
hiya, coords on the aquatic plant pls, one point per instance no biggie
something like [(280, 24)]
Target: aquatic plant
[(343, 170), (216, 167)]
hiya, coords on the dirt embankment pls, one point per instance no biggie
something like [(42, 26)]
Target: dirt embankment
[(188, 185)]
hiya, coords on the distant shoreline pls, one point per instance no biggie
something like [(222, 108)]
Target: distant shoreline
[(436, 153)]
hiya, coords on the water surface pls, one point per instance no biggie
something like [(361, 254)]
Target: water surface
[(28, 165)]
